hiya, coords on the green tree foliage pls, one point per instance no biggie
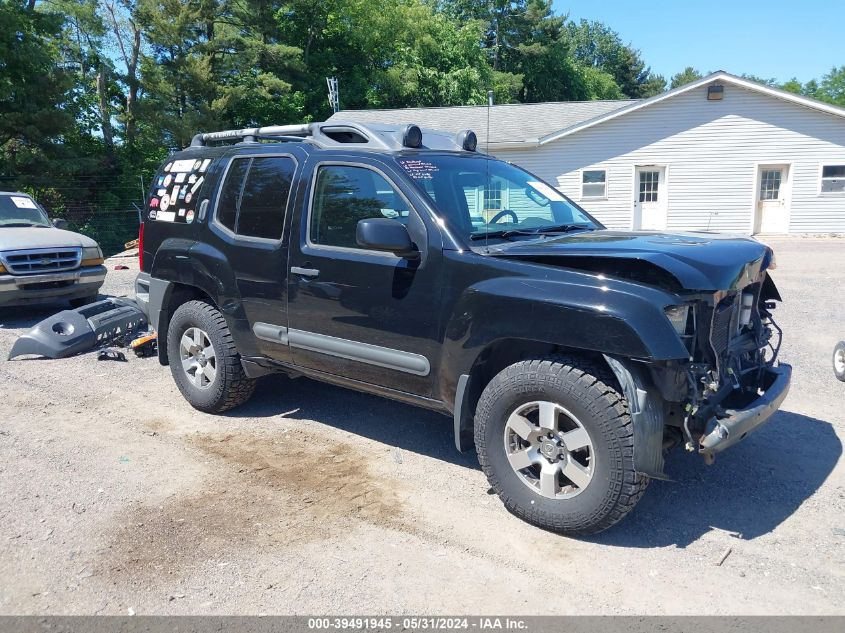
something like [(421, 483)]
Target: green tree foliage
[(392, 53), (832, 87), (686, 76), (597, 45), (37, 101)]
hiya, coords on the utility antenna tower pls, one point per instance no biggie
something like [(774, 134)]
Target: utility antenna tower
[(334, 95)]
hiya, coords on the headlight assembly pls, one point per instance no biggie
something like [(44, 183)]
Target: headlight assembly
[(91, 256)]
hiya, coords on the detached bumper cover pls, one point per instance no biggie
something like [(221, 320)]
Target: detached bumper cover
[(740, 422), (73, 331)]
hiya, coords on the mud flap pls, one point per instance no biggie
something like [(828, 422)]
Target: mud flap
[(73, 331), (646, 407)]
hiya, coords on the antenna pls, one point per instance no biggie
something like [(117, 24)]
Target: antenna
[(334, 94), (488, 186), (489, 105)]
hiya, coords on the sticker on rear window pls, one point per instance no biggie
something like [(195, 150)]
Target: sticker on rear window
[(183, 165)]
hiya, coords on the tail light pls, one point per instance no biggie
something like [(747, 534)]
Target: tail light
[(141, 246)]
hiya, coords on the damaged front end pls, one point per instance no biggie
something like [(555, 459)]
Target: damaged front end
[(733, 382)]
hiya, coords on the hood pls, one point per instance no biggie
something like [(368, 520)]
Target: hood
[(675, 261), (19, 238)]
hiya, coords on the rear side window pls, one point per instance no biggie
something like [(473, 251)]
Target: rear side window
[(230, 196), (255, 195)]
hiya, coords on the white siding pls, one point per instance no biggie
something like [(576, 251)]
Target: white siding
[(711, 150)]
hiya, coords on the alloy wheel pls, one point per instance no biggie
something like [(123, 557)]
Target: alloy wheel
[(199, 360), (549, 449)]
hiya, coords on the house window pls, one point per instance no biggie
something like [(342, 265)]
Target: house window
[(649, 181), (594, 183), (833, 179), (493, 195), (770, 180)]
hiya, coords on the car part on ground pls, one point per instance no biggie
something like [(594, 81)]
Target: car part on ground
[(145, 345), (839, 360), (111, 354), (73, 331)]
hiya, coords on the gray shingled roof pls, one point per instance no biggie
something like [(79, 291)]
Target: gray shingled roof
[(509, 123)]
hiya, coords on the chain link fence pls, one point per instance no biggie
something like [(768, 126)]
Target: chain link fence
[(111, 229)]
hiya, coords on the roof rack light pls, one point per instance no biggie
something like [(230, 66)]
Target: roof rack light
[(412, 137), (467, 140)]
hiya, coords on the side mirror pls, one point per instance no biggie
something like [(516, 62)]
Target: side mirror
[(384, 234), (60, 223)]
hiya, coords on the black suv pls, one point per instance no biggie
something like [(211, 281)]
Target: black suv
[(402, 262)]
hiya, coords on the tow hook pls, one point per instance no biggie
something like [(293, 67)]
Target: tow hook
[(718, 434)]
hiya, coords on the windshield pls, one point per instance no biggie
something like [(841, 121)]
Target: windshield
[(21, 211), (484, 198)]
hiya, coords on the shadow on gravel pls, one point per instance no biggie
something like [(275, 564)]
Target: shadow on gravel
[(23, 318), (752, 488), (393, 423)]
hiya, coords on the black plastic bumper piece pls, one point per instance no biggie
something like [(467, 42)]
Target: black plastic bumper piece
[(740, 422), (73, 331)]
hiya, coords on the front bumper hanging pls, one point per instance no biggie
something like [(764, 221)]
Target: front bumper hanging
[(740, 422)]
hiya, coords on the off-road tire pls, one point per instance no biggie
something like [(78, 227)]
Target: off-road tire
[(838, 357), (591, 392), (231, 386)]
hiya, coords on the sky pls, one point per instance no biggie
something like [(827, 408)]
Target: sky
[(770, 39)]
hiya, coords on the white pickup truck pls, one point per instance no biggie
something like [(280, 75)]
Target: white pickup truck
[(40, 263)]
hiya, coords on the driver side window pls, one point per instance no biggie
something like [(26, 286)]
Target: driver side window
[(344, 195)]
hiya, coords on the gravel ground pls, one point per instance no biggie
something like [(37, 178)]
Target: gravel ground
[(313, 499)]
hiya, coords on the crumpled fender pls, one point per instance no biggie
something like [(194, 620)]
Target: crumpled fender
[(73, 331)]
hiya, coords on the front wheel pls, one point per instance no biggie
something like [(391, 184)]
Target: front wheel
[(839, 360), (204, 361), (555, 439)]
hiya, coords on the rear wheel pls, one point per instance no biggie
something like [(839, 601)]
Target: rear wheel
[(204, 361), (554, 438), (839, 360)]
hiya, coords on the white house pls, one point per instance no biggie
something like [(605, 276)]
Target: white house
[(722, 153)]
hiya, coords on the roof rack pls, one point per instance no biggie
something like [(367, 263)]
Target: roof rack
[(375, 136)]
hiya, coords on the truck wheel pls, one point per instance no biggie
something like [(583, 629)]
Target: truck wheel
[(555, 439), (839, 360), (204, 361)]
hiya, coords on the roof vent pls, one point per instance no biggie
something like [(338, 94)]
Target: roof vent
[(716, 92), (344, 135), (412, 136)]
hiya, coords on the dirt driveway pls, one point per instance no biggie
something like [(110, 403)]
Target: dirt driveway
[(117, 495)]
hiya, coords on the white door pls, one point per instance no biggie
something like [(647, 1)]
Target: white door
[(650, 198), (772, 199)]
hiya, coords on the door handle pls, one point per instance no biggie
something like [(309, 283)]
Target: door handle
[(304, 272)]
